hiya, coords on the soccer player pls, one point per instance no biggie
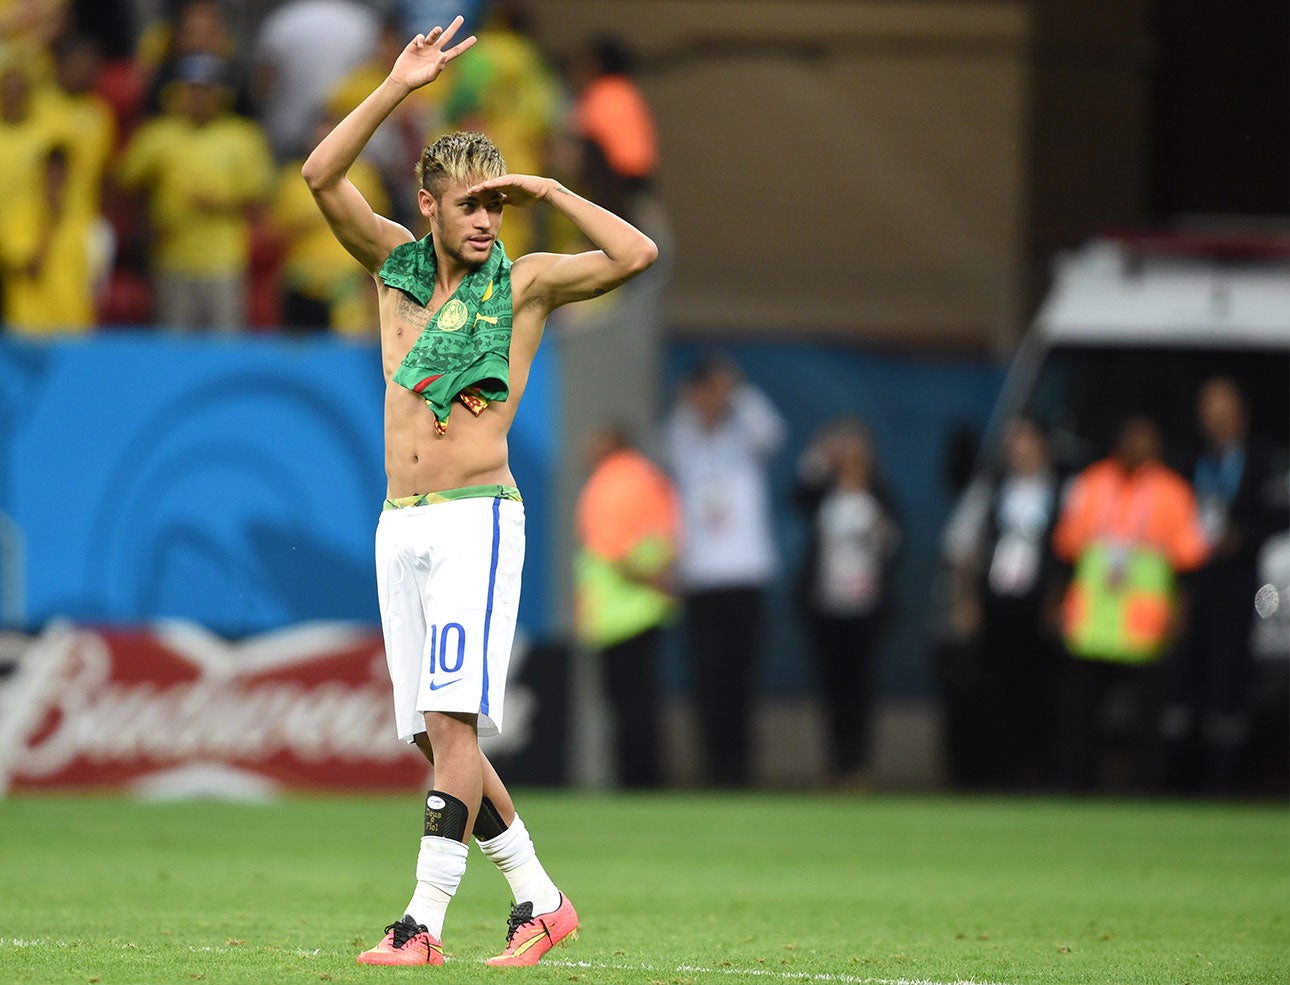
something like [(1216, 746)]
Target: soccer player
[(459, 328)]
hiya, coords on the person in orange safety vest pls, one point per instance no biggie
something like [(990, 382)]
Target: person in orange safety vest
[(1128, 525), (628, 528)]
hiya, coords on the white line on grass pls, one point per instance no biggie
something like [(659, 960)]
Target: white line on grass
[(827, 978), (796, 976)]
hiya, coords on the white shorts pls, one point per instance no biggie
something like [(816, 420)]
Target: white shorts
[(448, 579)]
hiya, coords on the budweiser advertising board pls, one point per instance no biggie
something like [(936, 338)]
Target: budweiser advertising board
[(173, 709)]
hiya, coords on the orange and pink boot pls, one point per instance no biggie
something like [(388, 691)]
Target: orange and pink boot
[(405, 943), (528, 937)]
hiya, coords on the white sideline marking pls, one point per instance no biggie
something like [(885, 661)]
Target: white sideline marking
[(796, 976), (829, 978), (23, 942)]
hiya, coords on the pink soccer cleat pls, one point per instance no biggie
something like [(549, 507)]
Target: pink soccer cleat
[(405, 942), (529, 937)]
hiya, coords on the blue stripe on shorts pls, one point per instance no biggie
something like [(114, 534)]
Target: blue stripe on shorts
[(492, 584)]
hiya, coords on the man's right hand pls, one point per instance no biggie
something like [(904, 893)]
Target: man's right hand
[(425, 56)]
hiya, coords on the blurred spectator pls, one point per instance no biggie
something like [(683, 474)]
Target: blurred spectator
[(1004, 566), (45, 256), (628, 528), (400, 138), (303, 49), (204, 169), (322, 285), (508, 90), (197, 27), (28, 28), (1210, 673), (625, 327), (853, 538), (614, 156), (45, 243), (1129, 525), (28, 130), (617, 142), (719, 441), (86, 115), (78, 61)]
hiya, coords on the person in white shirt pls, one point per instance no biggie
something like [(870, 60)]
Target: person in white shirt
[(843, 589), (719, 442), (301, 51)]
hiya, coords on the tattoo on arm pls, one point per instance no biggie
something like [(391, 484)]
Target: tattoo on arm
[(562, 190)]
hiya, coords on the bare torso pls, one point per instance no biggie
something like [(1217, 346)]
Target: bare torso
[(474, 449)]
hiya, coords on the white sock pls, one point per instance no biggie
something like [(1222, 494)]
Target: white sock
[(512, 851), (440, 865)]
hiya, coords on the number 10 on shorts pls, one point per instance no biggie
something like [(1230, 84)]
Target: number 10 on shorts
[(447, 647)]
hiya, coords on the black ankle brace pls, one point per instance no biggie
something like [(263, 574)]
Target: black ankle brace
[(488, 823), (445, 816)]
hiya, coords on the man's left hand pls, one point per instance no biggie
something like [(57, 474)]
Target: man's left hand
[(517, 189)]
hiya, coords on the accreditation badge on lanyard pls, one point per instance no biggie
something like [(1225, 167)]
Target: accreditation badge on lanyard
[(714, 504), (1015, 564), (1213, 517), (1120, 546), (1117, 562), (1217, 481)]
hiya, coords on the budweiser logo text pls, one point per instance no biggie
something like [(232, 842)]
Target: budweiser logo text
[(309, 707)]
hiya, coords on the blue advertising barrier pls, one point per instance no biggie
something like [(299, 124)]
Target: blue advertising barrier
[(236, 481), (232, 481)]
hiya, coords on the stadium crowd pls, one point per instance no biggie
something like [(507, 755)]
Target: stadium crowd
[(153, 168)]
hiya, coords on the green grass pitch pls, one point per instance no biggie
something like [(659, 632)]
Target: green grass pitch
[(673, 888)]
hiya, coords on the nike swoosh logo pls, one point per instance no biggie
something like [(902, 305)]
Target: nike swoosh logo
[(436, 687)]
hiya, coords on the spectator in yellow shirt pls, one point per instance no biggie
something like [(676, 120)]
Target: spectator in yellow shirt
[(87, 115), (45, 257), (322, 285), (204, 170), (29, 129)]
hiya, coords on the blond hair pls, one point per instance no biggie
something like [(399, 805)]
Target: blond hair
[(457, 156)]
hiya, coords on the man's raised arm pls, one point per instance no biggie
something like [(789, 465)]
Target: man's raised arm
[(366, 235), (623, 251)]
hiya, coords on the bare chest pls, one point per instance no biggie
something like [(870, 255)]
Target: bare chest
[(402, 322)]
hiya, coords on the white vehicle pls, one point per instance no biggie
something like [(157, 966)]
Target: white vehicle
[(1139, 323)]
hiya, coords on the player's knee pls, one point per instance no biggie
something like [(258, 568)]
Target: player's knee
[(451, 734)]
